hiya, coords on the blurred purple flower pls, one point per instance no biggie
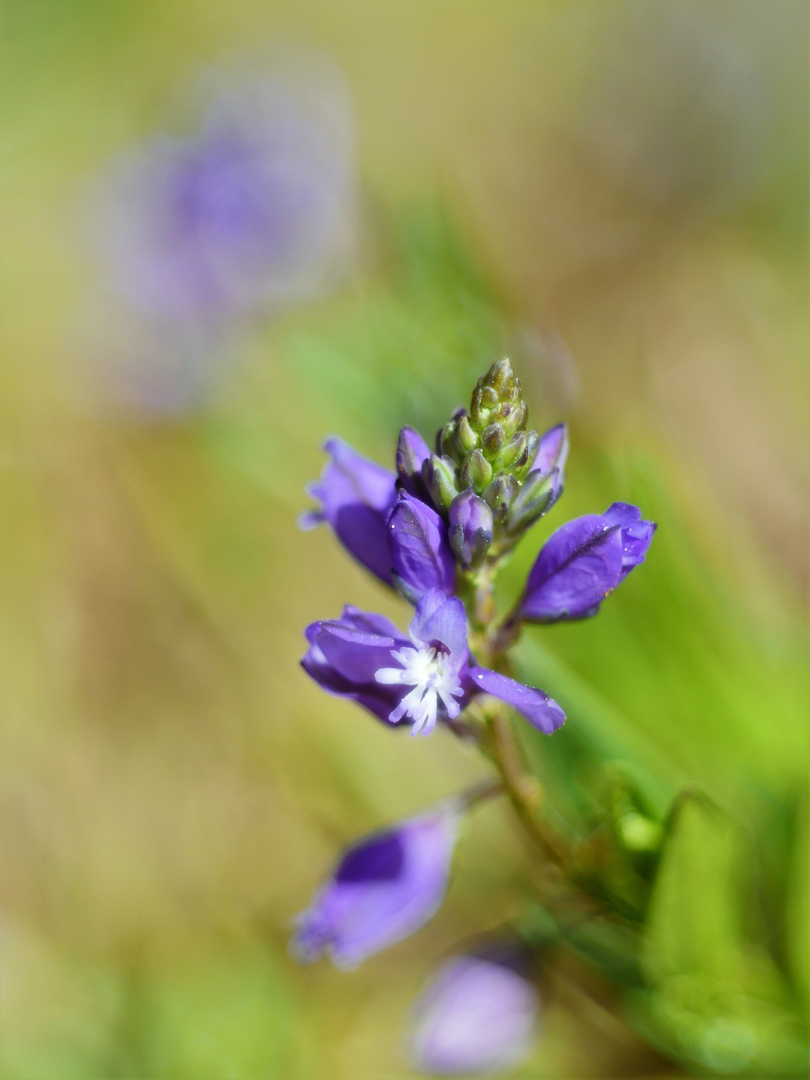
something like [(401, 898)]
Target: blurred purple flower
[(478, 1016), (430, 678), (253, 211), (384, 888), (583, 562)]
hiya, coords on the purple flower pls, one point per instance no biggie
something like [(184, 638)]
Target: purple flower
[(252, 210), (384, 888), (420, 679), (584, 561), (357, 496), (478, 1017)]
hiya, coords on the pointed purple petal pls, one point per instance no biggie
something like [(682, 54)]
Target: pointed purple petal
[(372, 483), (538, 708), (576, 569), (553, 450), (354, 654), (420, 554)]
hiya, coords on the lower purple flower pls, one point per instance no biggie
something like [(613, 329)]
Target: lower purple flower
[(384, 889), (583, 562), (420, 679), (478, 1017)]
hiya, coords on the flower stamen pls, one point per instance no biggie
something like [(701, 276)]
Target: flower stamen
[(433, 676)]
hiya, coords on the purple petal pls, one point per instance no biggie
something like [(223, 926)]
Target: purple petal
[(380, 858), (478, 1017), (370, 622), (576, 569), (354, 654), (623, 514), (637, 534), (412, 451), (373, 484), (447, 624), (420, 554), (553, 450), (428, 603), (357, 496), (383, 890), (538, 708), (379, 700)]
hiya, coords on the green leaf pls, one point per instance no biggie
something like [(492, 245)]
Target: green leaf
[(797, 916), (715, 1000), (694, 919)]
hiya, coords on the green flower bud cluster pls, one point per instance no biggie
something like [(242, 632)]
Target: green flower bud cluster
[(487, 449)]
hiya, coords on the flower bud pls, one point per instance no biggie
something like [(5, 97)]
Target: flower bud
[(578, 566), (484, 400), (446, 442), (419, 554), (492, 440), (470, 528), (498, 398), (515, 453), (537, 495), (412, 452), (466, 439), (524, 462), (476, 472), (501, 377), (500, 495), (514, 416), (553, 449), (439, 475)]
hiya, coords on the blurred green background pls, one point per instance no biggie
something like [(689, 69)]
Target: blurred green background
[(614, 194)]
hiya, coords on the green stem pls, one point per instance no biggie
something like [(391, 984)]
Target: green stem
[(490, 640), (524, 790)]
